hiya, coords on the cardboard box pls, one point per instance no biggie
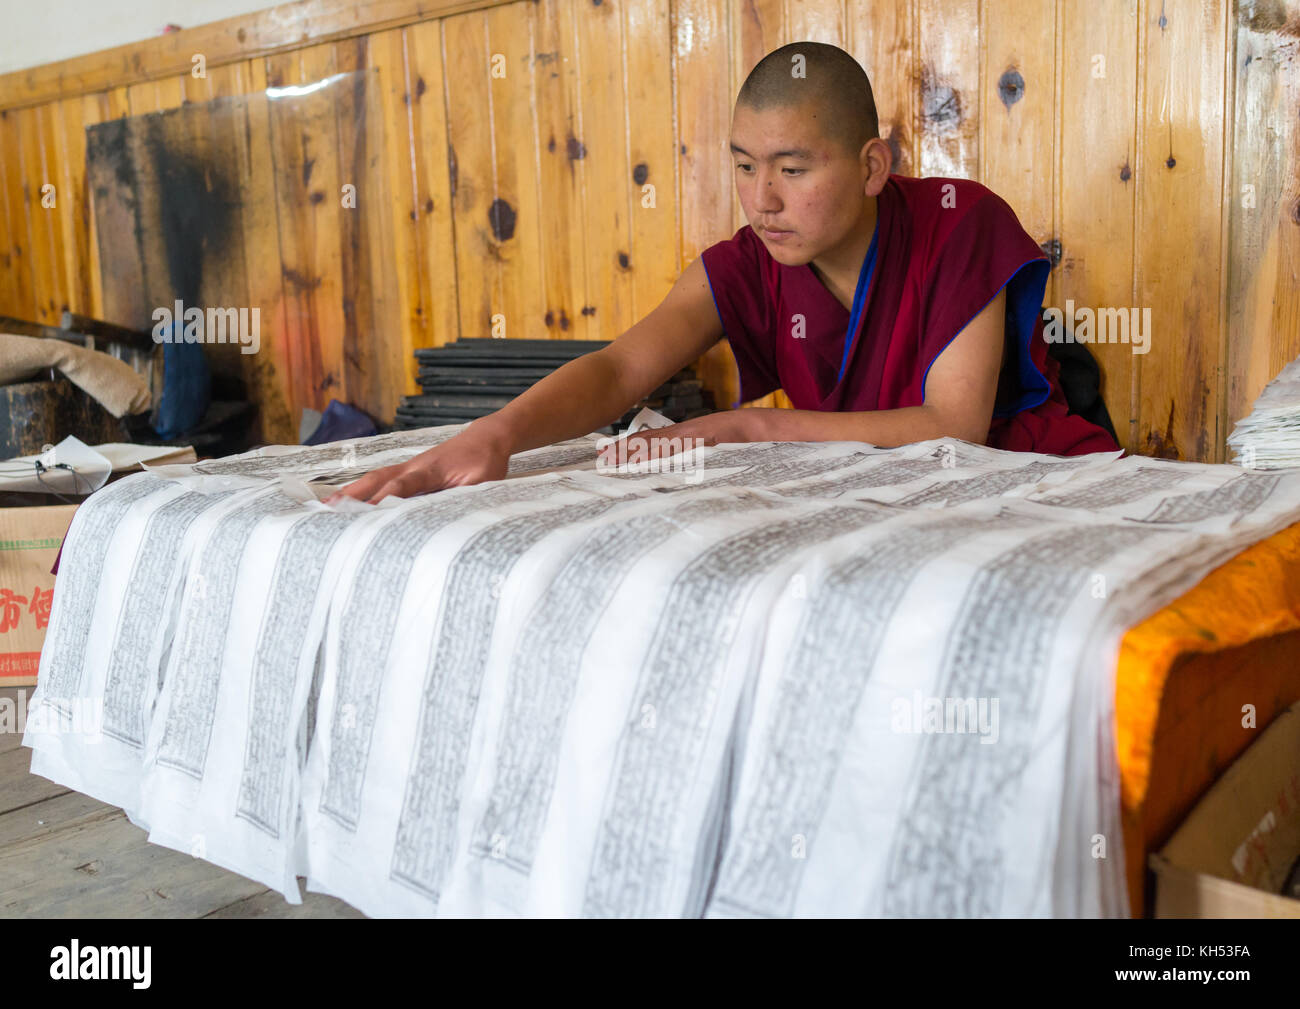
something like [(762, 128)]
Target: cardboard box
[(29, 541), (1232, 855)]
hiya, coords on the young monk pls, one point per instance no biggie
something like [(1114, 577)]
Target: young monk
[(890, 309)]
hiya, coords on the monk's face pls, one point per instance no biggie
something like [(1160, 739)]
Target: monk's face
[(802, 193)]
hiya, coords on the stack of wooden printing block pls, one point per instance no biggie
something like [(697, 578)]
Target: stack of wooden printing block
[(472, 377)]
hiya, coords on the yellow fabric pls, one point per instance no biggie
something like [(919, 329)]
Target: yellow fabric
[(1254, 595)]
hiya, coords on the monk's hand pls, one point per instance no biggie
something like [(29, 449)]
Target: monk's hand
[(466, 458), (721, 428)]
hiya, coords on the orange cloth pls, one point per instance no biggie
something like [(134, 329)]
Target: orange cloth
[(1234, 639)]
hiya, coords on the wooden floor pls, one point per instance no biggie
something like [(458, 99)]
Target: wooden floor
[(65, 855)]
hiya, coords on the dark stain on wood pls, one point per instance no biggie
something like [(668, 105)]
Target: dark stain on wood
[(1011, 87), (298, 281), (196, 203), (895, 146), (623, 261), (1052, 247), (419, 88), (640, 173), (428, 206), (550, 145), (588, 309), (1125, 173), (1295, 211), (564, 320), (1170, 161), (1163, 445), (501, 216), (549, 318), (940, 103), (1266, 16), (453, 169), (575, 148), (307, 165), (683, 148), (317, 197)]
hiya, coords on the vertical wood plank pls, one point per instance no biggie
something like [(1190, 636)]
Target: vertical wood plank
[(469, 127), (9, 287), (22, 293), (1096, 190), (815, 21), (604, 170), (40, 169), (563, 207), (654, 248), (409, 328), (1179, 227), (882, 37), (948, 109), (1019, 99), (69, 138), (437, 308), (1263, 202), (701, 51), (268, 372), (304, 137), (512, 218)]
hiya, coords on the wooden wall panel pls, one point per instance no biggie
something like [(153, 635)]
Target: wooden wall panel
[(702, 51), (267, 373), (1263, 202), (886, 47), (17, 244), (1139, 174), (1180, 193), (433, 180), (514, 215), (1098, 181), (556, 87), (655, 252), (1019, 100), (469, 129), (949, 115), (604, 169), (305, 145)]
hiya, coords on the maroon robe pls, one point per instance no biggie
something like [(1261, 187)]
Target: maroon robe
[(938, 257)]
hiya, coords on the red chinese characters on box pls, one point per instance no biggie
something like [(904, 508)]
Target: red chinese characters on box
[(29, 541)]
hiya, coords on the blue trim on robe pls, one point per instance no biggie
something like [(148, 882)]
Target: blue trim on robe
[(1025, 291), (859, 298)]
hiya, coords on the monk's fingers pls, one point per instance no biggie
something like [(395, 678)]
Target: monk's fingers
[(407, 482), (361, 488)]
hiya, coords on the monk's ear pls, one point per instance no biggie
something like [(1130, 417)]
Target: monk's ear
[(876, 159)]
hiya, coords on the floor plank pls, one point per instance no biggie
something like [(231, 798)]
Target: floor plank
[(11, 736), (269, 904), (18, 786), (105, 868)]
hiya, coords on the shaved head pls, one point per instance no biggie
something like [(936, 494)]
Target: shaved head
[(823, 79)]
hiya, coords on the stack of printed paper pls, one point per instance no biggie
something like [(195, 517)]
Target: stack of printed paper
[(784, 679), (1269, 438)]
